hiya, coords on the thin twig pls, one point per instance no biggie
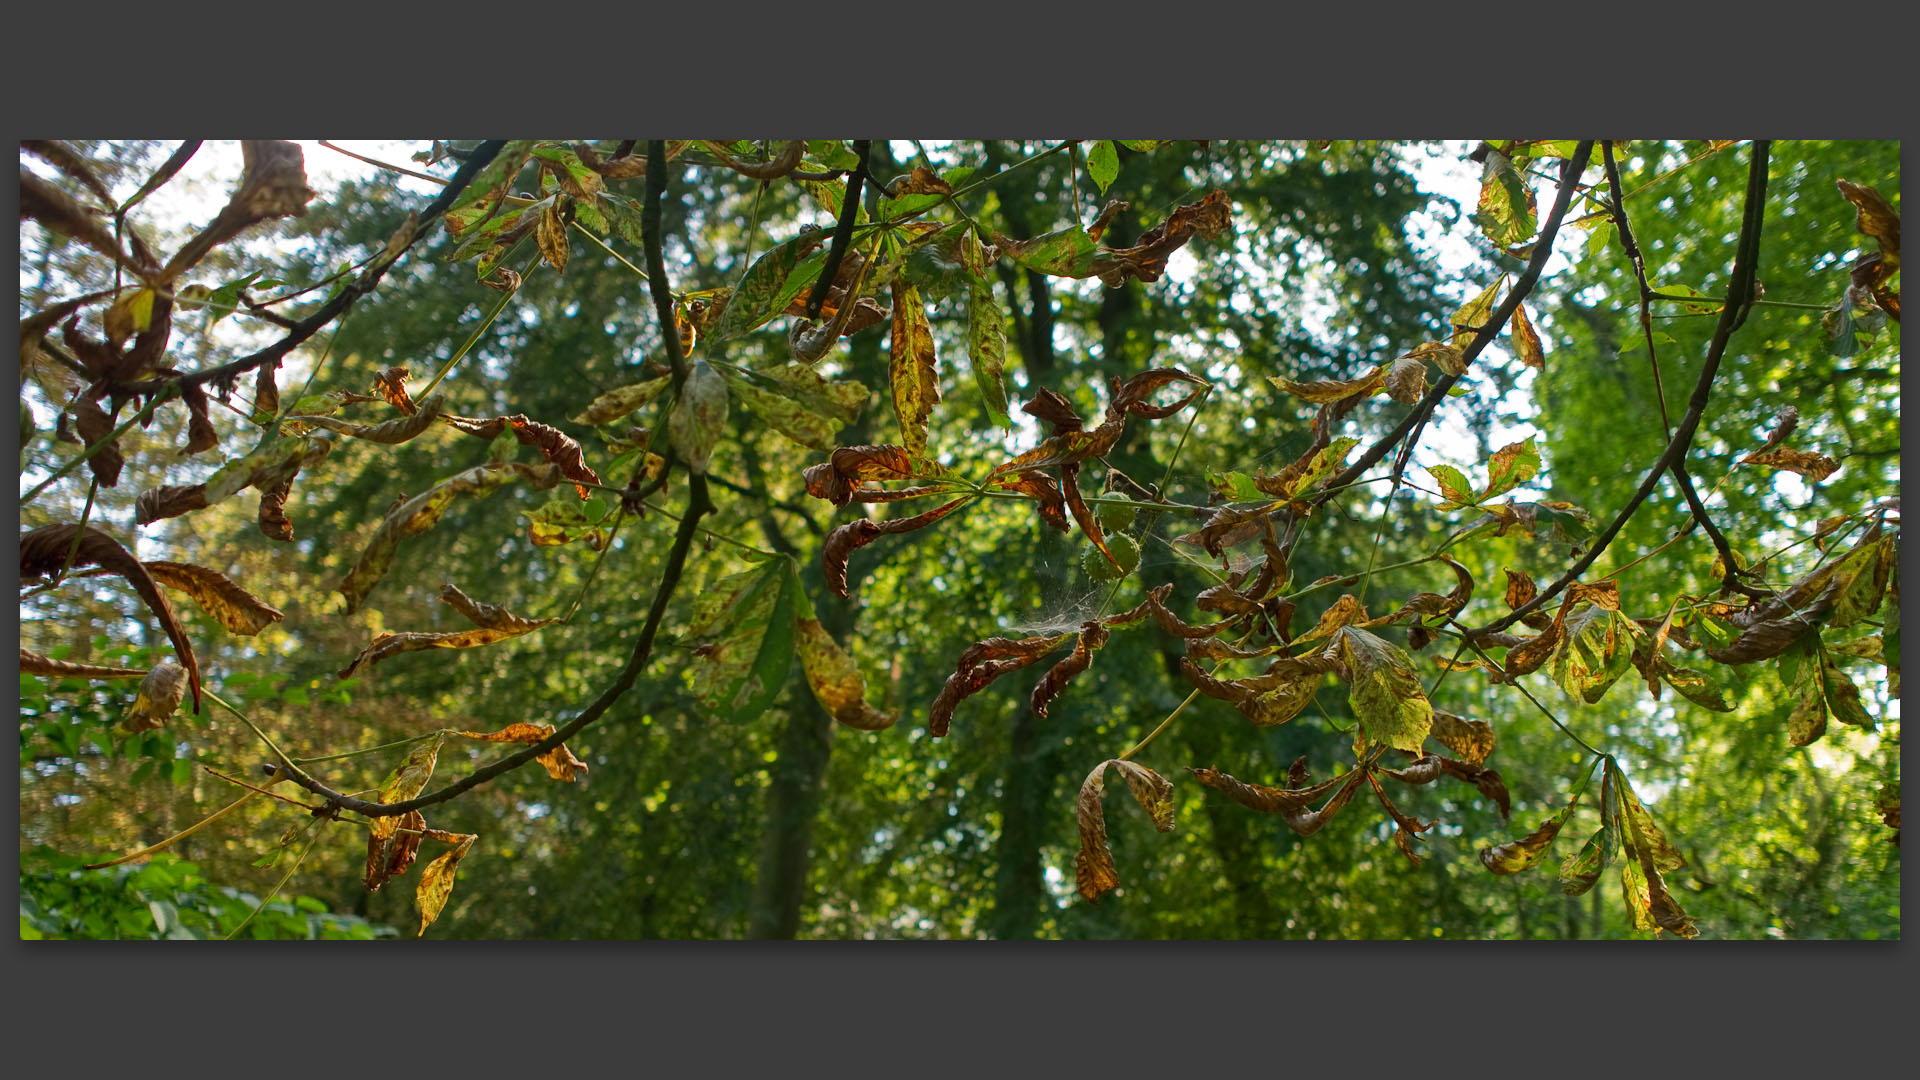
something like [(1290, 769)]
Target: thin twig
[(1741, 284), (378, 164)]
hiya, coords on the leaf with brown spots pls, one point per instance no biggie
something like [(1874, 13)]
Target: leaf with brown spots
[(1326, 391), (1470, 317), (1407, 380), (391, 384), (1092, 637), (1268, 700), (1522, 854), (43, 551), (218, 595), (391, 433), (913, 368), (1473, 740), (1526, 341), (436, 882), (559, 761), (1815, 467), (1345, 611), (1427, 769), (392, 843), (1520, 590), (832, 673), (555, 445)]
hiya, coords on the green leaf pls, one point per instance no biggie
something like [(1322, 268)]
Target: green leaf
[(771, 283), (1598, 241), (732, 631), (1103, 164), (1510, 466), (1236, 486), (1507, 208), (912, 367), (1596, 651), (784, 414), (618, 402), (986, 335), (1582, 869), (1386, 695), (561, 521), (1068, 252), (1142, 145), (842, 401), (1453, 484), (484, 195), (832, 154)]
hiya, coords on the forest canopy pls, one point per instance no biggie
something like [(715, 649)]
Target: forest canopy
[(992, 539)]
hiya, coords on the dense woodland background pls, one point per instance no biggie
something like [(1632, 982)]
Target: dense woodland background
[(690, 826)]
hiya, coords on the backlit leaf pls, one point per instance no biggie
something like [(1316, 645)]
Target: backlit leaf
[(617, 403), (1522, 854), (436, 883), (1386, 695), (784, 414), (699, 416), (218, 595), (1103, 164), (411, 776), (1526, 341), (912, 368), (559, 761), (1472, 315)]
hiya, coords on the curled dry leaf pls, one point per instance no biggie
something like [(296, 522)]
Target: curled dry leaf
[(274, 524), (273, 185), (851, 466), (1522, 854), (1092, 637), (200, 433), (835, 678), (499, 626), (1407, 380), (391, 433), (419, 514), (1071, 252), (1094, 872), (1408, 826), (1346, 611), (158, 699), (842, 542), (980, 664), (555, 445), (1526, 340), (168, 501), (391, 385), (1267, 700), (94, 425), (1427, 769), (1048, 502), (1326, 391), (1292, 804), (1473, 740), (32, 663), (1815, 467), (43, 551), (218, 595), (436, 882), (559, 761), (392, 843)]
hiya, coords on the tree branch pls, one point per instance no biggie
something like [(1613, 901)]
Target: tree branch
[(1731, 316), (842, 233), (1542, 250), (333, 309)]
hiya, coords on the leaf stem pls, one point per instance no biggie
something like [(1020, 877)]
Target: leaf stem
[(474, 339)]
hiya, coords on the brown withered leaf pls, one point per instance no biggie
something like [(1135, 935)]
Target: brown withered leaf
[(1292, 804), (970, 679), (1051, 407), (391, 385), (392, 843), (1327, 391), (1094, 872), (1407, 825), (1147, 259), (1784, 423), (1520, 590), (1526, 341), (391, 433), (1268, 700), (387, 644), (273, 185), (436, 882), (488, 616), (1473, 740), (168, 501), (200, 433), (559, 761), (1522, 854), (1407, 380), (94, 425), (1431, 767), (836, 679), (921, 181), (1135, 396), (32, 663), (1815, 467), (1844, 590), (43, 551), (410, 777), (1876, 219), (1215, 649), (1173, 624), (1225, 599), (1048, 502), (1448, 357), (1083, 514), (274, 523), (555, 445), (851, 466), (1092, 637), (842, 542), (218, 595), (158, 699)]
